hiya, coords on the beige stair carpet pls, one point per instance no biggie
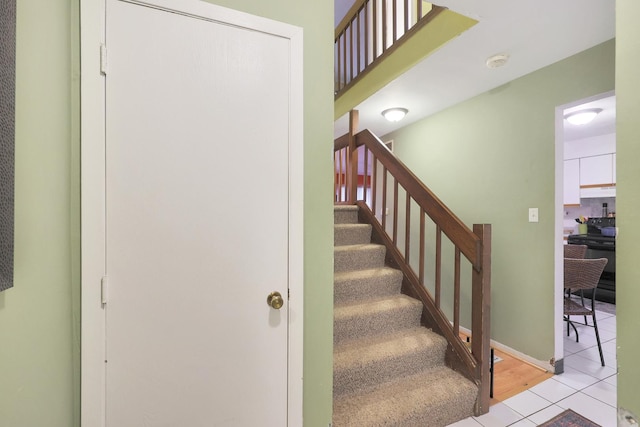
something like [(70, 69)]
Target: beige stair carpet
[(388, 370)]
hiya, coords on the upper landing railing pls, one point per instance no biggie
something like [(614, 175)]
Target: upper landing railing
[(370, 31)]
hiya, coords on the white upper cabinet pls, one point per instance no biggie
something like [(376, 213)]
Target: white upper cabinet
[(596, 170), (614, 168), (592, 162), (597, 176), (572, 182)]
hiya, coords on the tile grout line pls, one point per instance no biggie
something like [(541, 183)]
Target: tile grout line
[(576, 393), (593, 397)]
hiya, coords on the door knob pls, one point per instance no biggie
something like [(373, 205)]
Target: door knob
[(275, 300)]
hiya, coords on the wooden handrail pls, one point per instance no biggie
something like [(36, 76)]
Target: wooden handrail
[(341, 142), (455, 229), (474, 245)]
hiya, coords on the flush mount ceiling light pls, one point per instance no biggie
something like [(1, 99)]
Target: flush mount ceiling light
[(395, 114), (582, 117), (497, 61)]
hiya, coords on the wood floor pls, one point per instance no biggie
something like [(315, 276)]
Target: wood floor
[(513, 376)]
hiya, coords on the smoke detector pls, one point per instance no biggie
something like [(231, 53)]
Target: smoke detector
[(497, 61)]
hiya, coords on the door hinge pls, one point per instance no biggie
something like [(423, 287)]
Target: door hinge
[(103, 59), (104, 284)]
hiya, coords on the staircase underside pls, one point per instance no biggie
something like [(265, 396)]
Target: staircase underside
[(388, 369), (422, 43)]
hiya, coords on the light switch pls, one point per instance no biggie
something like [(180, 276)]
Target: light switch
[(533, 214)]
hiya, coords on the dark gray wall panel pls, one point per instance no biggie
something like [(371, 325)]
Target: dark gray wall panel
[(7, 138)]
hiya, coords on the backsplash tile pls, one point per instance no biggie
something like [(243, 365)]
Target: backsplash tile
[(590, 208)]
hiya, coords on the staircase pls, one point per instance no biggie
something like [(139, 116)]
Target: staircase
[(388, 369)]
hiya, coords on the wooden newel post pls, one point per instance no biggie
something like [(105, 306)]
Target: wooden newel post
[(353, 155), (481, 316)]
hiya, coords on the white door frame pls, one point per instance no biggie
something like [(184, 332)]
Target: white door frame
[(558, 275), (93, 203)]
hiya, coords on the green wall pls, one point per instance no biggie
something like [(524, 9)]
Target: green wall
[(628, 201), (490, 159), (39, 317)]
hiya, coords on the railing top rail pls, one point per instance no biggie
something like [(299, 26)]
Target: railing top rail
[(451, 225), (341, 142)]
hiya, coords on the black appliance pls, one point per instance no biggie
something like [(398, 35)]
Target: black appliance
[(600, 246)]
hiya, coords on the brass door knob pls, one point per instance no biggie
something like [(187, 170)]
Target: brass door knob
[(275, 300)]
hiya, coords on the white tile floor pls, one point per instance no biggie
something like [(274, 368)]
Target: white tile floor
[(586, 386)]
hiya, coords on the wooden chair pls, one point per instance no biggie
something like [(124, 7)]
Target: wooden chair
[(582, 274), (575, 251)]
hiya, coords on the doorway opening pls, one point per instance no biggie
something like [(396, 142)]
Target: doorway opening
[(585, 195)]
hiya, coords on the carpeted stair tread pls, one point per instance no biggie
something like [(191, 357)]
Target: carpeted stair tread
[(358, 257), (388, 369), (375, 317), (357, 285), (345, 214), (367, 362), (433, 398), (351, 234)]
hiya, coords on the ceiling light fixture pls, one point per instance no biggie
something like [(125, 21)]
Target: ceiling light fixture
[(582, 117), (395, 114)]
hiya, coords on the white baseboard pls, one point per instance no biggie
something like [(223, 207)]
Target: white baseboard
[(515, 353)]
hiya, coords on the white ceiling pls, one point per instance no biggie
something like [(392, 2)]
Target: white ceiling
[(533, 33)]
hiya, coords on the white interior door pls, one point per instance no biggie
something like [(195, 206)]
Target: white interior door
[(198, 219)]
